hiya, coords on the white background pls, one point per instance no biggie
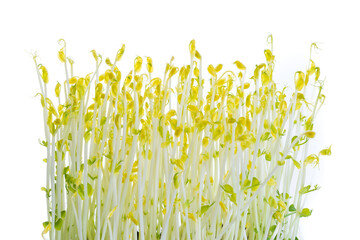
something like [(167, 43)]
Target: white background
[(225, 31)]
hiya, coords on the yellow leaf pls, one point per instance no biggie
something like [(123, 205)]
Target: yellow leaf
[(192, 48), (173, 71), (239, 65), (311, 159), (46, 230), (44, 75), (149, 65), (272, 202), (205, 141), (192, 217), (120, 53), (271, 181), (197, 55), (73, 80), (218, 68), (309, 134), (137, 64), (265, 79), (223, 207), (212, 71), (111, 212), (326, 152), (220, 82), (268, 55), (61, 55), (95, 55), (300, 81), (192, 108), (57, 89)]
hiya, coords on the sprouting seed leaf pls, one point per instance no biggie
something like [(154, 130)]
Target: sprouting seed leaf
[(176, 180), (308, 189), (192, 108), (296, 163), (44, 74), (317, 73), (111, 212), (57, 89), (204, 208), (46, 229), (212, 70), (232, 198), (218, 68), (255, 184), (300, 81), (272, 202), (45, 224), (80, 191), (188, 202), (305, 212), (292, 208), (197, 55), (61, 55), (309, 134), (311, 159), (268, 55), (192, 48), (239, 65), (137, 64), (265, 79), (120, 53), (90, 189), (227, 188), (58, 224), (326, 151)]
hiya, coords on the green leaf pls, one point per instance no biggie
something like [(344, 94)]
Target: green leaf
[(103, 120), (47, 191), (232, 198), (255, 184), (91, 161), (188, 202), (304, 190), (246, 184), (204, 208), (63, 214), (268, 156), (43, 143), (80, 191), (272, 228), (272, 202), (45, 224), (227, 188), (297, 164), (266, 136), (92, 178), (58, 224), (118, 166), (305, 212), (176, 180), (90, 189), (292, 208), (293, 138), (307, 189)]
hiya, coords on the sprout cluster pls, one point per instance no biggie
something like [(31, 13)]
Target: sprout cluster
[(143, 157)]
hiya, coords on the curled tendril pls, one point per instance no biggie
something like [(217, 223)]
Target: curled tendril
[(270, 36), (62, 42)]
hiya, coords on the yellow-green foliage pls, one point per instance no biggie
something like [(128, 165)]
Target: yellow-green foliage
[(163, 157)]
